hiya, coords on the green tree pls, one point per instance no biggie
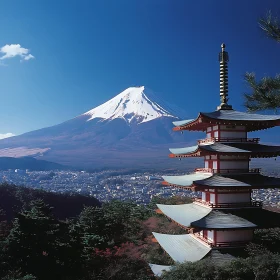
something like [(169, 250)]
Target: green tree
[(91, 227), (202, 270), (36, 243), (265, 94), (123, 220), (17, 276)]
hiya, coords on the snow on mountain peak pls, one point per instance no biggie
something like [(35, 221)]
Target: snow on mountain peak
[(133, 104)]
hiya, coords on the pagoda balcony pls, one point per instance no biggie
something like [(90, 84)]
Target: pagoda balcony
[(225, 171), (251, 204), (228, 139), (228, 244)]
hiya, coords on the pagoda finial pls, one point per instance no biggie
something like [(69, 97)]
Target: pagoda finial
[(223, 58)]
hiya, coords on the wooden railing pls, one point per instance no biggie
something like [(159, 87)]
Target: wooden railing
[(230, 244), (228, 139), (257, 204), (222, 171), (205, 240)]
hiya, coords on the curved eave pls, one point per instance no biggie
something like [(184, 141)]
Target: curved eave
[(184, 214), (192, 124), (199, 181), (219, 220), (185, 181), (251, 150), (248, 181), (182, 248), (159, 269), (193, 151), (203, 121)]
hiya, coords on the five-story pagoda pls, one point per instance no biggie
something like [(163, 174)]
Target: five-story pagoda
[(225, 216)]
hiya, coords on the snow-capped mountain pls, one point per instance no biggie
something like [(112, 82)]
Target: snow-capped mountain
[(133, 104), (132, 129)]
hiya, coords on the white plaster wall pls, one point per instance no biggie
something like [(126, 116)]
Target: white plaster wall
[(215, 165), (234, 235), (216, 134), (215, 127), (212, 198), (206, 164), (233, 134), (203, 196), (233, 164), (210, 235), (208, 135), (233, 197), (209, 129)]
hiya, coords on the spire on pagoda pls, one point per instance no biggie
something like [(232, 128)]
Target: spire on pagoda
[(223, 58)]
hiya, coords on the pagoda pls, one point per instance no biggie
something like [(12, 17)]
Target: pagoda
[(225, 215)]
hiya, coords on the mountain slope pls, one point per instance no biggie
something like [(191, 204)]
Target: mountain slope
[(133, 128), (133, 104), (29, 163)]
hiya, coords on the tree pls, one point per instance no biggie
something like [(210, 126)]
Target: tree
[(17, 276), (37, 243), (265, 93), (271, 26)]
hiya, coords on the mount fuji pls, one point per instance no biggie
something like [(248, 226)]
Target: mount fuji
[(133, 129)]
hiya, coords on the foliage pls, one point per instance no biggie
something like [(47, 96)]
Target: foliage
[(202, 270), (172, 200), (265, 93), (268, 239), (113, 242), (13, 198), (271, 26), (121, 262), (260, 267), (261, 264), (37, 245), (15, 275), (155, 254)]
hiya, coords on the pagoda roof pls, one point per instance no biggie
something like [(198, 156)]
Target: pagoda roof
[(182, 248), (229, 117), (185, 180), (222, 220), (250, 149), (159, 269), (238, 180), (184, 214), (200, 216), (248, 180)]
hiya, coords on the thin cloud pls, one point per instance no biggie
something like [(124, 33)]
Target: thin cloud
[(14, 50), (29, 56), (6, 135)]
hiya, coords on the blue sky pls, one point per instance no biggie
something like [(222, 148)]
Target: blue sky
[(75, 55)]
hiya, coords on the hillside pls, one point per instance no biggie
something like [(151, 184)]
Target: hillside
[(29, 163), (13, 198)]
